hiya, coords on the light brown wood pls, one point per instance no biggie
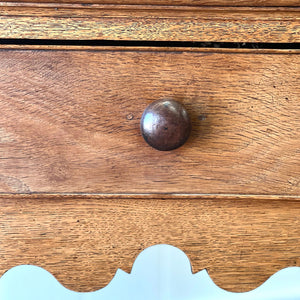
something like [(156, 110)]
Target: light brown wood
[(70, 122), (212, 197), (83, 241), (151, 23), (174, 2), (149, 49)]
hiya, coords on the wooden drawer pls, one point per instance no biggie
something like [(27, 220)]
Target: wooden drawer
[(82, 194), (70, 121)]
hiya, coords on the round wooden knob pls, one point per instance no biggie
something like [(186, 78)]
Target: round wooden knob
[(165, 125)]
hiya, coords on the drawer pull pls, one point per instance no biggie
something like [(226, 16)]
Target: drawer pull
[(165, 125)]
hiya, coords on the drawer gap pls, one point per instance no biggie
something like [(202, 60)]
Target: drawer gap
[(162, 44)]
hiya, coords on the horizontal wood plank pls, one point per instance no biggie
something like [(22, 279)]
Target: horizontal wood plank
[(126, 48), (70, 122), (83, 241), (151, 23), (172, 2)]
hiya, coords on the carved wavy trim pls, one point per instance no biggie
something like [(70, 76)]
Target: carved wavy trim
[(160, 272)]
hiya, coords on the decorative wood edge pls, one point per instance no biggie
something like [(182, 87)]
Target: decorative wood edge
[(150, 4), (159, 272), (151, 23), (101, 9), (201, 3), (217, 197), (148, 49)]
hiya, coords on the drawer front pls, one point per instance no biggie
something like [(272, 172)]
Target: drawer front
[(84, 240), (70, 122)]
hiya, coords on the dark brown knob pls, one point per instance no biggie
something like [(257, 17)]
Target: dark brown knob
[(165, 125)]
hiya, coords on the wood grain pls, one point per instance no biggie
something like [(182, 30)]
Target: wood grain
[(151, 23), (70, 122), (83, 241), (266, 50), (173, 2)]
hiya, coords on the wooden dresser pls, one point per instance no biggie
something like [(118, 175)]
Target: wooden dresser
[(82, 193)]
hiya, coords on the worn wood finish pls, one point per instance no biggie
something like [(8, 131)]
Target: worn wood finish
[(148, 49), (173, 2), (162, 196), (151, 11), (83, 241), (70, 122), (152, 23)]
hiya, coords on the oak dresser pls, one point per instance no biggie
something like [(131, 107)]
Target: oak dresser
[(82, 193)]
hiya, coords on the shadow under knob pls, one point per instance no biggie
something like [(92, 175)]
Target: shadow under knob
[(165, 125)]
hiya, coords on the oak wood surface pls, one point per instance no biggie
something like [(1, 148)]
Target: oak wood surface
[(83, 240), (28, 46), (151, 23), (70, 122), (171, 2)]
